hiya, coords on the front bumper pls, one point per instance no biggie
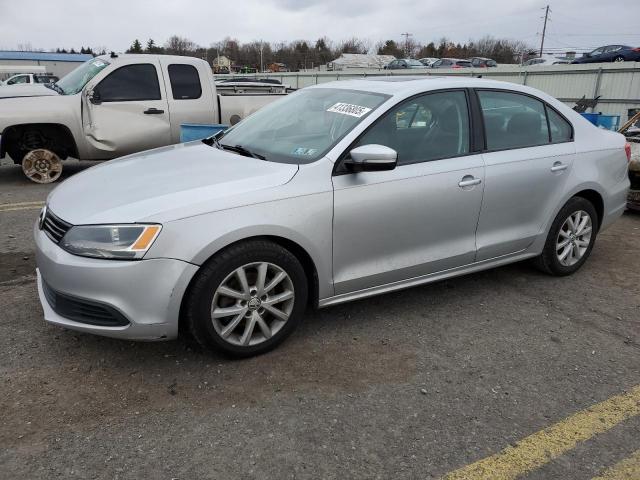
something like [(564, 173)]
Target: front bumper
[(148, 293)]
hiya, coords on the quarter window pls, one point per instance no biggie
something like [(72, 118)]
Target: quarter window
[(560, 129), (185, 82), (430, 127), (130, 83), (512, 120)]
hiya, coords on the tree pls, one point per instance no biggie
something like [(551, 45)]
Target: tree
[(152, 47), (180, 46), (136, 47), (389, 47), (353, 45)]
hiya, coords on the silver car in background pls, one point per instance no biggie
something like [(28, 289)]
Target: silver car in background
[(334, 193)]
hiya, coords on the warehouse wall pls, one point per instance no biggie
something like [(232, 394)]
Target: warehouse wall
[(59, 69), (617, 84)]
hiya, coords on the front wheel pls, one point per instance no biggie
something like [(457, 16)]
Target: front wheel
[(247, 299), (570, 239)]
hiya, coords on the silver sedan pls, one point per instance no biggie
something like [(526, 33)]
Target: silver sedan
[(334, 193)]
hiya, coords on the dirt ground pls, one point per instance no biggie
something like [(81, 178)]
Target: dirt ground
[(407, 385)]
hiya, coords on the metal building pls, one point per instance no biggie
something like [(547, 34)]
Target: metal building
[(58, 64)]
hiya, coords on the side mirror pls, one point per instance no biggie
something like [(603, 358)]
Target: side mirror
[(372, 158), (94, 97)]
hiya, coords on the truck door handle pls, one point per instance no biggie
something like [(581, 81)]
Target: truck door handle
[(469, 181), (558, 166), (153, 111)]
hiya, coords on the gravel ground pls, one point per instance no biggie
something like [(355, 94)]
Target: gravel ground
[(408, 385)]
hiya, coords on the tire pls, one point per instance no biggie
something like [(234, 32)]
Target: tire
[(576, 251), (218, 287), (619, 58)]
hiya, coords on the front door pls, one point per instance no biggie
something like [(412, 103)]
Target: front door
[(128, 112), (527, 165), (419, 218)]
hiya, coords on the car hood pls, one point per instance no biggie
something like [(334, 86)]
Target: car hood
[(12, 91), (166, 184)]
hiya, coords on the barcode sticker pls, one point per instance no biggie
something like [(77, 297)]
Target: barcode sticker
[(349, 109)]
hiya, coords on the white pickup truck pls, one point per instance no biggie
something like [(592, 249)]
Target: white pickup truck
[(114, 105)]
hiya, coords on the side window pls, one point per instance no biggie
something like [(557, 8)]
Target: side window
[(429, 127), (19, 80), (512, 120), (437, 63), (130, 83), (561, 130), (185, 82)]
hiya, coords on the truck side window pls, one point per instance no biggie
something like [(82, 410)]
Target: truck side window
[(185, 82), (130, 83)]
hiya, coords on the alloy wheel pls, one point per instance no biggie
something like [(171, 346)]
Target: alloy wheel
[(42, 166), (574, 238), (252, 304)]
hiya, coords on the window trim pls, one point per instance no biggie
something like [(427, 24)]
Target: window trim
[(339, 169), (515, 92), (173, 95), (137, 99)]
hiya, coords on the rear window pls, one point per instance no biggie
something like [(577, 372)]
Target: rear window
[(464, 63), (185, 82)]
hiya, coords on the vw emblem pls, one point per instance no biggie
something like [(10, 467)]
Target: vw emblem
[(41, 217)]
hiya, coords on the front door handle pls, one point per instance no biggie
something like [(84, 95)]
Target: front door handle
[(469, 181), (558, 167), (153, 111)]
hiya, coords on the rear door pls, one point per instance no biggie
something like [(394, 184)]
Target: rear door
[(129, 112), (190, 95), (528, 160), (421, 217)]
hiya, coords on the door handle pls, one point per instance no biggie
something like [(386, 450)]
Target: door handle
[(153, 111), (558, 167), (469, 182)]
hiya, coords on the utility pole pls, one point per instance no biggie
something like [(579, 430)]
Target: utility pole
[(261, 64), (544, 29), (406, 42)]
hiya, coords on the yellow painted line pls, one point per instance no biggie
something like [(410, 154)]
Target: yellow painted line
[(627, 469), (541, 447), (10, 207)]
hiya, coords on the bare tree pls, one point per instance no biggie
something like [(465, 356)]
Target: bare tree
[(180, 46)]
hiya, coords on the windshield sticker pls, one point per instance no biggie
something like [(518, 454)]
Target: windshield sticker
[(304, 151), (349, 109), (98, 63)]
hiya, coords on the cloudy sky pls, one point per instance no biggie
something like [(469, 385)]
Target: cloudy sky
[(575, 24)]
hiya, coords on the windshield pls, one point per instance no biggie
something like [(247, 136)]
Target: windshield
[(303, 126), (78, 78)]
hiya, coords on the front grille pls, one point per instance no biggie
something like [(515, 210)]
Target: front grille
[(83, 311), (54, 227)]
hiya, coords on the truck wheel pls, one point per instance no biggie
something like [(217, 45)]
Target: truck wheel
[(42, 166)]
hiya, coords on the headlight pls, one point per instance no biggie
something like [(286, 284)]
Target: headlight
[(121, 242)]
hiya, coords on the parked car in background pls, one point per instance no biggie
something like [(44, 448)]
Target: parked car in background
[(611, 53), (30, 78), (451, 63), (338, 192), (545, 62), (404, 63), (428, 61), (115, 105), (481, 62)]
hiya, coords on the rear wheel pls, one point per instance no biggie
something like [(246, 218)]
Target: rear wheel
[(247, 299), (571, 238), (619, 58)]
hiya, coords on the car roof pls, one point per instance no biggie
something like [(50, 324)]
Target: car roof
[(411, 84)]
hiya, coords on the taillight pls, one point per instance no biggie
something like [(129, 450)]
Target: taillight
[(636, 49), (627, 150)]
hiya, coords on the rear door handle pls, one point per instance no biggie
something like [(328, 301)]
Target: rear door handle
[(153, 111), (558, 167), (469, 181)]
